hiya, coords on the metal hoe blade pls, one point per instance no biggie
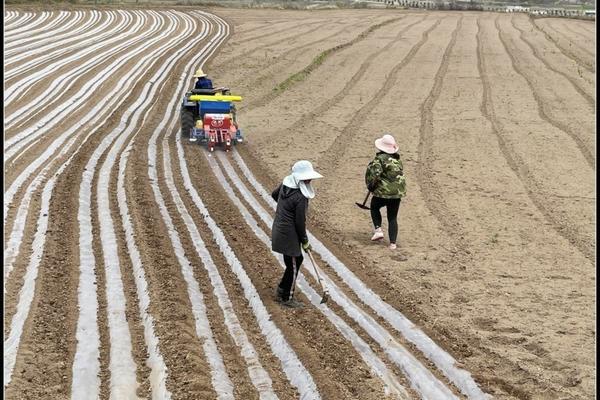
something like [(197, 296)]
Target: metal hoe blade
[(363, 206)]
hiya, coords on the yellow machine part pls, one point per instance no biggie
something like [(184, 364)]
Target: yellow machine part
[(216, 97)]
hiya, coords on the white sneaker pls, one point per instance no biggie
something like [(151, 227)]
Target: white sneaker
[(393, 246), (378, 235)]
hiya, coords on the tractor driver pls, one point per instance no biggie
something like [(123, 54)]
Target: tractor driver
[(203, 82)]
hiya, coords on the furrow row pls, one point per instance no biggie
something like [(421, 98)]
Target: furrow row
[(515, 161), (544, 113)]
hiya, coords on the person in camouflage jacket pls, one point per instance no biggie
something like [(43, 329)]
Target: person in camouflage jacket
[(385, 179)]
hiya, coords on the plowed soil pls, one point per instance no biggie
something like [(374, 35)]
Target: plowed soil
[(495, 118)]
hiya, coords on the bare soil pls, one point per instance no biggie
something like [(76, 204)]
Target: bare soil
[(495, 118)]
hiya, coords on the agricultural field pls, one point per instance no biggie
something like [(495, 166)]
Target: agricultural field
[(139, 265)]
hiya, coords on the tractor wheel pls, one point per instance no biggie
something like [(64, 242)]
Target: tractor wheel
[(187, 121)]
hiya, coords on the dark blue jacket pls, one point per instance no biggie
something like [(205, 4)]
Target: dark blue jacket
[(203, 83)]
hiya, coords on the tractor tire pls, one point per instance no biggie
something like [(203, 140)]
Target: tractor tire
[(187, 121)]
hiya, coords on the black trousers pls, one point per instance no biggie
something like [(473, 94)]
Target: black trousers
[(392, 206), (288, 281)]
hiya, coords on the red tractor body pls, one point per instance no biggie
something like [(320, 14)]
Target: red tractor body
[(219, 129)]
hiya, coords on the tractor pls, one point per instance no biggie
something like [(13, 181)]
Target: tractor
[(208, 117)]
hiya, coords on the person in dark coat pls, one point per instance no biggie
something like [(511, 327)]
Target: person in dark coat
[(203, 82), (288, 234)]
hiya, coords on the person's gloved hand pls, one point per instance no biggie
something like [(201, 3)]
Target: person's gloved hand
[(306, 246)]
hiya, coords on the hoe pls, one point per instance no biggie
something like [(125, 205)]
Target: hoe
[(363, 206), (325, 295)]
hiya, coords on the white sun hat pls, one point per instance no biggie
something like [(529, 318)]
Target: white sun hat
[(199, 73), (302, 171), (387, 144)]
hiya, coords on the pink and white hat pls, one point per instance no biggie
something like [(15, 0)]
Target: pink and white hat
[(387, 144)]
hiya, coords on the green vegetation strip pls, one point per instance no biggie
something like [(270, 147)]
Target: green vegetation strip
[(320, 58)]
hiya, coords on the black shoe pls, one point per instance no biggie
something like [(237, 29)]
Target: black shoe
[(292, 303), (279, 297)]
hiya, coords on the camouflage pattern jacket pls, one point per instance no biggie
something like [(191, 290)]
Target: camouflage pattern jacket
[(384, 176)]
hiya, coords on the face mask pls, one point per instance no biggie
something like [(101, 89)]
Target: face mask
[(306, 189)]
